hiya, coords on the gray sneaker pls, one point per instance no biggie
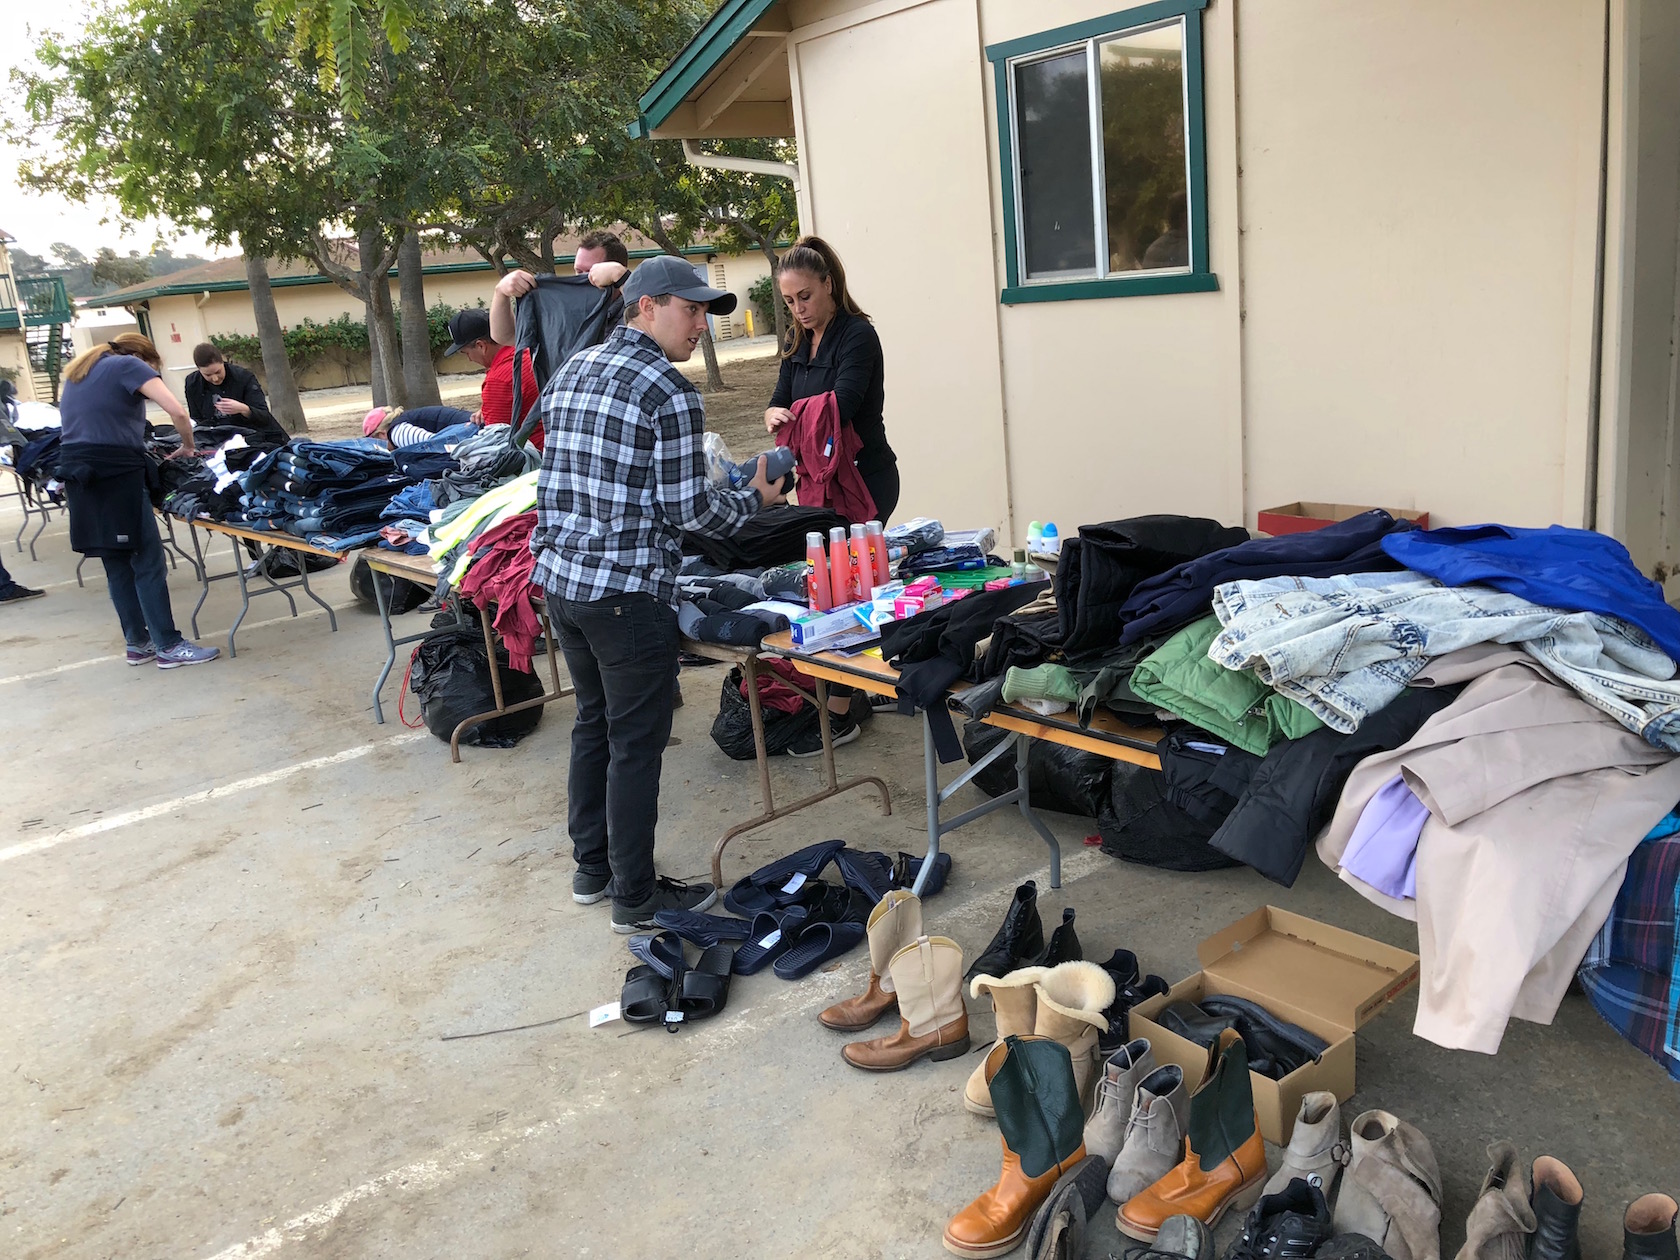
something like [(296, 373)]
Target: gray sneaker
[(145, 654), (587, 889), (668, 894), (184, 653)]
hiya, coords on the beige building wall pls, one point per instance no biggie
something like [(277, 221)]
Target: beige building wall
[(1126, 406), (14, 355), (880, 168), (1419, 215)]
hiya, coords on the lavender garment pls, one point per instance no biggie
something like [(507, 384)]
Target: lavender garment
[(1383, 849)]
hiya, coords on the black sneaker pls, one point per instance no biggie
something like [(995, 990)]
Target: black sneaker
[(882, 704), (843, 726), (668, 894), (16, 593), (587, 889), (1291, 1225)]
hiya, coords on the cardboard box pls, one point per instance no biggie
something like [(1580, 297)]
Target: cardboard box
[(815, 626), (1298, 518), (1327, 980)]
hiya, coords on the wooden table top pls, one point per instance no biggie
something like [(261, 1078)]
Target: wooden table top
[(1107, 734), (420, 568), (274, 538)]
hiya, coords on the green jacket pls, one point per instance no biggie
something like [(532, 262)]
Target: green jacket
[(1230, 703)]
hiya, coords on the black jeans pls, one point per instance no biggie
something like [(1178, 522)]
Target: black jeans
[(622, 655), (139, 584)]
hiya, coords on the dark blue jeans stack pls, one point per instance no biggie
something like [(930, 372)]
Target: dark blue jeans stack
[(139, 585), (622, 655)]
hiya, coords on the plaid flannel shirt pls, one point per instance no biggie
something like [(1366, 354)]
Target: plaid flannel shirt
[(624, 474), (1632, 969)]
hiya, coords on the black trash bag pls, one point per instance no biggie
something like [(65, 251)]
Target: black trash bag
[(450, 676), (1067, 780), (1145, 820), (279, 563), (401, 595), (732, 728)]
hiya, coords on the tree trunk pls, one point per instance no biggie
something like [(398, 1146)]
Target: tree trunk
[(283, 397), (382, 323), (714, 378), (778, 308), (376, 361), (419, 373)]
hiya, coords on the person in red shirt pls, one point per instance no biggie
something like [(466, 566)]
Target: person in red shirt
[(469, 332)]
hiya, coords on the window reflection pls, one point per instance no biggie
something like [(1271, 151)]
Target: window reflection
[(1144, 161)]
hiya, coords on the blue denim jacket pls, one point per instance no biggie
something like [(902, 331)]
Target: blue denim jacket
[(1346, 646)]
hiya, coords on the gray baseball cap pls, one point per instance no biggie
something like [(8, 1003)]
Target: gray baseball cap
[(668, 274)]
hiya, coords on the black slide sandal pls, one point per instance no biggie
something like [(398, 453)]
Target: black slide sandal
[(704, 989)]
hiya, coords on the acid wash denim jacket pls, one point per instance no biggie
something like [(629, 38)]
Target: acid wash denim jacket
[(1346, 646)]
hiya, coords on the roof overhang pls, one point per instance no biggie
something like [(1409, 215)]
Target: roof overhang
[(730, 82)]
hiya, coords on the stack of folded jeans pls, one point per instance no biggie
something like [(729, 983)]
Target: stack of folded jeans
[(296, 488)]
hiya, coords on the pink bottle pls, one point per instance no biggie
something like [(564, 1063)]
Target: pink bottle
[(821, 597), (840, 579), (863, 567), (878, 549)]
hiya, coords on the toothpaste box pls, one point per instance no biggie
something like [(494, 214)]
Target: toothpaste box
[(814, 626)]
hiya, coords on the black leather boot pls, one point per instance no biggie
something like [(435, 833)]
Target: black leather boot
[(1018, 941), (1648, 1229), (1064, 944), (1557, 1212)]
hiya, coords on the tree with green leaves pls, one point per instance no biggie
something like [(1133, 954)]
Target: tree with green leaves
[(148, 108), (111, 268)]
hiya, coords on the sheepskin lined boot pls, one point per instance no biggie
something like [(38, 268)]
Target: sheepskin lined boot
[(1030, 1080), (1391, 1192), (1224, 1164), (895, 921), (933, 1023), (1071, 1001), (1648, 1229), (1557, 1211), (1501, 1221), (1015, 1008), (1316, 1151), (1117, 1085)]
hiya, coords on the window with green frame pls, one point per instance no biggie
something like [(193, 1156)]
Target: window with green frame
[(1101, 146)]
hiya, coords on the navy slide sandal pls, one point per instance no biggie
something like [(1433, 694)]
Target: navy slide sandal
[(768, 887), (772, 936), (816, 945), (704, 930)]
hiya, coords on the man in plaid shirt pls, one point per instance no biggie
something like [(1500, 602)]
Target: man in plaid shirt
[(623, 472)]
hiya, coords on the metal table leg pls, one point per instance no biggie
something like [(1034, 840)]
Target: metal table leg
[(1018, 796), (203, 571), (244, 597)]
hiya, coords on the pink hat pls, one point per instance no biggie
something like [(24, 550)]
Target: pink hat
[(372, 421)]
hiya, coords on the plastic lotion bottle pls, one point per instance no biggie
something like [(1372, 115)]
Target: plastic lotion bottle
[(821, 597), (840, 566), (863, 565), (878, 548)]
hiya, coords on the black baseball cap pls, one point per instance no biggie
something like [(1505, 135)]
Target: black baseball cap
[(466, 327), (669, 274)]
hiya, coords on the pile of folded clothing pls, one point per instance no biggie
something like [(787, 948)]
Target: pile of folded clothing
[(734, 609), (331, 494), (481, 464)]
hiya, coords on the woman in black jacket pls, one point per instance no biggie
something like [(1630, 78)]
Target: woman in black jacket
[(224, 393), (833, 346)]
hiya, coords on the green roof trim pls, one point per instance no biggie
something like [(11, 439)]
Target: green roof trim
[(700, 56), (122, 298)]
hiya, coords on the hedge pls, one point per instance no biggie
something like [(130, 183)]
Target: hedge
[(345, 338)]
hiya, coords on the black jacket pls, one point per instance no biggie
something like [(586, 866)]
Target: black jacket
[(108, 490), (240, 385), (849, 362)]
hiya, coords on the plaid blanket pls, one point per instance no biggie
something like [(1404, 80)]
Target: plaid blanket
[(1631, 973)]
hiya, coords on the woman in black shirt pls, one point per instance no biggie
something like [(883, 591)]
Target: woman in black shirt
[(833, 346)]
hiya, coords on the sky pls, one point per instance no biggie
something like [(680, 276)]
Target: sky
[(38, 221)]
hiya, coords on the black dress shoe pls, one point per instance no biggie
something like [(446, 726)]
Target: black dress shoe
[(1018, 942), (1556, 1201), (1648, 1229)]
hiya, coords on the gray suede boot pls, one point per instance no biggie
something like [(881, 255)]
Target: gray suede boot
[(1154, 1142), (1500, 1223), (1116, 1091), (1391, 1192), (1317, 1152)]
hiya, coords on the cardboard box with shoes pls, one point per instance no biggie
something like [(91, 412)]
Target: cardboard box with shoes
[(1327, 980)]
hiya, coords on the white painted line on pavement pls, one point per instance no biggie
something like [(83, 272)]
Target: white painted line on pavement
[(113, 821), (311, 611), (820, 990)]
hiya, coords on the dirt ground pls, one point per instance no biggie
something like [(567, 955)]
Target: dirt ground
[(736, 411)]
